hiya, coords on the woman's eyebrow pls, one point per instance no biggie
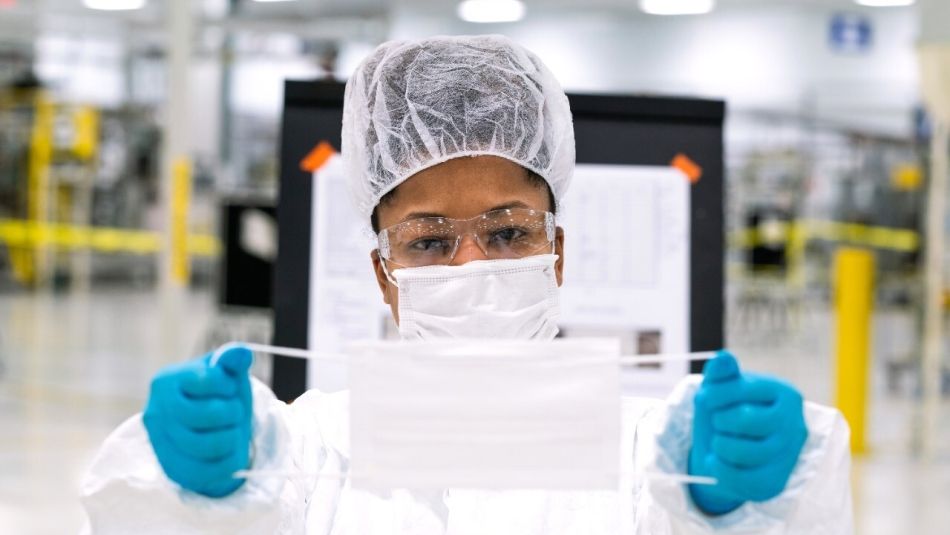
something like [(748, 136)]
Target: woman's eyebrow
[(416, 215), (512, 204)]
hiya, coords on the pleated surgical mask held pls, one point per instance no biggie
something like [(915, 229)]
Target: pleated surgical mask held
[(485, 414), (500, 299)]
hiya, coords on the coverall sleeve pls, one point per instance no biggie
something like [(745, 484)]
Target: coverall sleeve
[(125, 490), (816, 500)]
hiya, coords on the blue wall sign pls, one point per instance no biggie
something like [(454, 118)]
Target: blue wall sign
[(850, 32)]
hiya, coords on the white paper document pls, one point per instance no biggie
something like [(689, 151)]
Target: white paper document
[(487, 415), (345, 303), (626, 266)]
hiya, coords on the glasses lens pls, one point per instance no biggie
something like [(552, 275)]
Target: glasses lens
[(422, 242), (512, 233), (507, 233)]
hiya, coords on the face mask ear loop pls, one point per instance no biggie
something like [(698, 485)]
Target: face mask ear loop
[(389, 276), (550, 226), (383, 252)]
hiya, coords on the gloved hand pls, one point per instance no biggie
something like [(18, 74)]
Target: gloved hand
[(748, 431), (198, 419)]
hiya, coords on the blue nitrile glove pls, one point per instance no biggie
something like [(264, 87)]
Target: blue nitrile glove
[(198, 418), (748, 430)]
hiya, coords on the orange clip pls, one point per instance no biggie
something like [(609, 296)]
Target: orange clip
[(689, 168), (317, 157)]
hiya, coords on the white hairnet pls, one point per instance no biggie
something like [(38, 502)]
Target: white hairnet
[(414, 104)]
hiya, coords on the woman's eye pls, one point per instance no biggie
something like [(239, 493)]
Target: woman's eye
[(508, 235), (427, 245)]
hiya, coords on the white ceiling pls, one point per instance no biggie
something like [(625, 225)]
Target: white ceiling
[(313, 8), (304, 17)]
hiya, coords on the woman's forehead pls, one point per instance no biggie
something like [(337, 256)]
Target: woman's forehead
[(463, 188)]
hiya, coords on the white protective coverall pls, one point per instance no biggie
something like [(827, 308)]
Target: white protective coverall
[(409, 106), (126, 491)]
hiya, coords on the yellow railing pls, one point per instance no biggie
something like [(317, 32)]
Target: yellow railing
[(902, 240), (20, 234)]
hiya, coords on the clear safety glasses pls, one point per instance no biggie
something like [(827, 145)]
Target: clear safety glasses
[(504, 233)]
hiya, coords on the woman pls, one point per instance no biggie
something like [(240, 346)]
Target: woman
[(457, 151)]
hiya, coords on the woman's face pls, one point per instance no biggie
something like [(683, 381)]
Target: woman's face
[(461, 188)]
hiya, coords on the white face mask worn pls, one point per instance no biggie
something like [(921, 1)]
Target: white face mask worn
[(501, 299)]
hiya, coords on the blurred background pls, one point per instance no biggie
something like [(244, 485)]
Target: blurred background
[(135, 133)]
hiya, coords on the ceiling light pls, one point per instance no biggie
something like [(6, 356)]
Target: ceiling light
[(491, 10), (266, 1), (114, 5), (885, 3), (677, 7)]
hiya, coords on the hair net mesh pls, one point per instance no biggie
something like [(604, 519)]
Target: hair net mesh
[(414, 104)]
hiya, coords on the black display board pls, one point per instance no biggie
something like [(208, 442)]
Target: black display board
[(609, 129), (238, 266)]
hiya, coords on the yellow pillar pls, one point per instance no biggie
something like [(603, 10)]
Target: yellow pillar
[(30, 265), (180, 201), (175, 150), (854, 300)]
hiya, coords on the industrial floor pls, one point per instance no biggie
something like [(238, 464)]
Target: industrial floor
[(72, 367)]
